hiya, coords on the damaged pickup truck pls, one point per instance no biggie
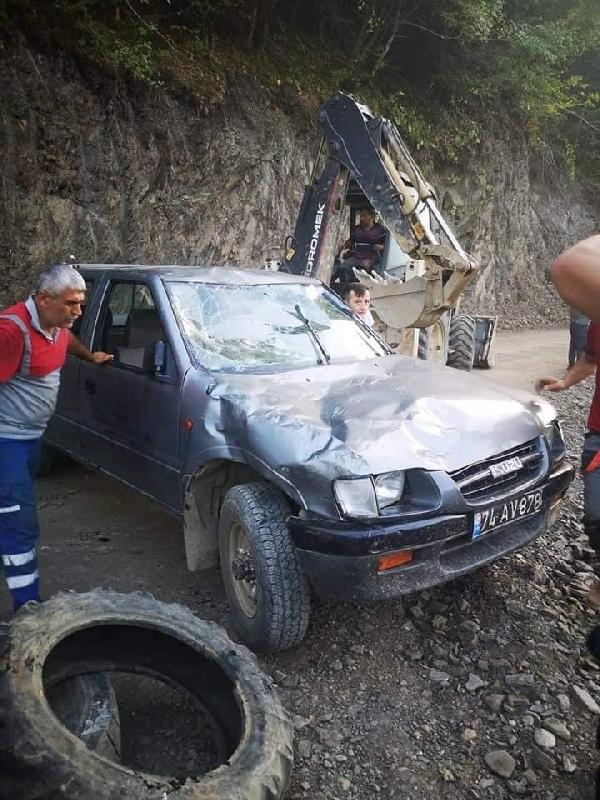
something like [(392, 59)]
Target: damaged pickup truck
[(299, 451)]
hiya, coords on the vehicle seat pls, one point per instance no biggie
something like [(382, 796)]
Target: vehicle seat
[(142, 330)]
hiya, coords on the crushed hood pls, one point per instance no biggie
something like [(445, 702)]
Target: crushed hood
[(375, 416)]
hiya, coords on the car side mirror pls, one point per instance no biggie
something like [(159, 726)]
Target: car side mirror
[(159, 358)]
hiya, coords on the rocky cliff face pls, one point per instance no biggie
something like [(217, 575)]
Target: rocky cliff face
[(116, 172), (112, 171), (515, 212)]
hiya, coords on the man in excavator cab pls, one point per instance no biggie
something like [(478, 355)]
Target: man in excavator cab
[(363, 248)]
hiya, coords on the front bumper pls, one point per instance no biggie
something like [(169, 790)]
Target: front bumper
[(341, 559)]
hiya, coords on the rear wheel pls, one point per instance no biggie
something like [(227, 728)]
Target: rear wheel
[(461, 350), (267, 591), (433, 342)]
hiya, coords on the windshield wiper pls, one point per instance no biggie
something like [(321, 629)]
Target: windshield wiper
[(313, 335)]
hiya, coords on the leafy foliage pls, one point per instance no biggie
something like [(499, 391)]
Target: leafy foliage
[(440, 68)]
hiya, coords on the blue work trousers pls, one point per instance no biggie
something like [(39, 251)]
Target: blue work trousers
[(19, 529)]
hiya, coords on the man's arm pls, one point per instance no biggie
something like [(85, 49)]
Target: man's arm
[(12, 347), (576, 275), (81, 351), (584, 368)]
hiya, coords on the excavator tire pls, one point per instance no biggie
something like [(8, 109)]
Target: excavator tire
[(104, 631), (461, 349)]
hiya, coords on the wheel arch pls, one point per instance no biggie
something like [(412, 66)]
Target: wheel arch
[(204, 490)]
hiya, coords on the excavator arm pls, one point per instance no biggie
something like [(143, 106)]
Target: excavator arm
[(360, 151)]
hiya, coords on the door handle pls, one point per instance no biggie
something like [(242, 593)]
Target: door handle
[(89, 387)]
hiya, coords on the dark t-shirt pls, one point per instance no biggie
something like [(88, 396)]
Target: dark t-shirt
[(363, 240), (592, 349)]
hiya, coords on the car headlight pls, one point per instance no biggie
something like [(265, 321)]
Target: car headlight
[(356, 497), (366, 497), (545, 414), (389, 488)]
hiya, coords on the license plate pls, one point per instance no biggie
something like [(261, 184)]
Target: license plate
[(506, 467), (506, 512)]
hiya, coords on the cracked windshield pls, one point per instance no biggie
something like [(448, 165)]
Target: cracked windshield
[(244, 328)]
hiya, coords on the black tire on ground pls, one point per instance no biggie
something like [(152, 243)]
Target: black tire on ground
[(433, 342), (461, 349), (87, 707), (105, 631), (46, 460), (270, 597)]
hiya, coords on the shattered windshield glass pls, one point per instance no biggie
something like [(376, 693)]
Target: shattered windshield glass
[(244, 328)]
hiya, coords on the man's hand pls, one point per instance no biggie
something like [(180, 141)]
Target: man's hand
[(100, 358), (550, 384), (379, 248), (81, 351)]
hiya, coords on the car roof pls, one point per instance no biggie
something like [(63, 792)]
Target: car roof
[(232, 276)]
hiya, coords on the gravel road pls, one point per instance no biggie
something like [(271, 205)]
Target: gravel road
[(478, 689)]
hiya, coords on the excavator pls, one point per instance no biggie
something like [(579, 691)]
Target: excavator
[(415, 289)]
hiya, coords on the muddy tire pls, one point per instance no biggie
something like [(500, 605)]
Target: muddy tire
[(87, 706), (461, 349), (107, 632), (267, 591)]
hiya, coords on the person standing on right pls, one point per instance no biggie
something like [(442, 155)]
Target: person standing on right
[(585, 367)]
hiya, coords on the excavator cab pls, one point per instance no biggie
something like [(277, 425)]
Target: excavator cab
[(363, 161)]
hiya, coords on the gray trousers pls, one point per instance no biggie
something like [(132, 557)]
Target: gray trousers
[(578, 331)]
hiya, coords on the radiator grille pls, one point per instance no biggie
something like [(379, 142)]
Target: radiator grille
[(476, 481)]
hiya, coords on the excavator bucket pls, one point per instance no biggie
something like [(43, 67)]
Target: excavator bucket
[(422, 298)]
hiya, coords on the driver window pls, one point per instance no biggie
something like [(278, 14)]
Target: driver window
[(131, 325)]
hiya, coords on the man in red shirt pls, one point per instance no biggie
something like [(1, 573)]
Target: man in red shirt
[(585, 367), (34, 342)]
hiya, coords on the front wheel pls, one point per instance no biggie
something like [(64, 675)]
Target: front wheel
[(461, 351), (266, 589)]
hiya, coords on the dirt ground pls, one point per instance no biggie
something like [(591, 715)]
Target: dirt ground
[(400, 699), (524, 355)]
